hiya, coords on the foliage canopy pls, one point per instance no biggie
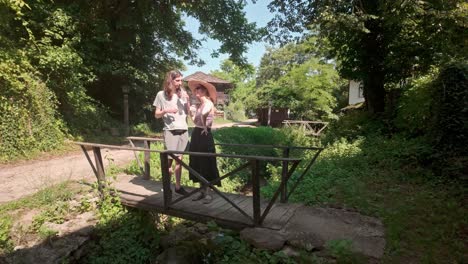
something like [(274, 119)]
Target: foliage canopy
[(378, 42)]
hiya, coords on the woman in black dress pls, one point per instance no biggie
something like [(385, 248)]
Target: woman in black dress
[(202, 139)]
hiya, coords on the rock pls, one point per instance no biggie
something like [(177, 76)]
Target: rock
[(202, 228), (25, 218), (178, 235), (19, 247), (290, 252), (74, 204), (82, 225), (306, 241), (178, 255), (316, 224), (54, 252), (85, 231), (263, 238)]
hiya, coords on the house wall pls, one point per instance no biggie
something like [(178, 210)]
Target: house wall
[(277, 116), (355, 94)]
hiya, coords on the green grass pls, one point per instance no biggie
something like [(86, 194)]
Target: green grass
[(45, 197), (52, 201), (423, 215), (218, 121)]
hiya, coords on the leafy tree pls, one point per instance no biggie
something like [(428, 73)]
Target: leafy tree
[(293, 77), (236, 74), (133, 43), (28, 112), (378, 42), (242, 97), (106, 45), (81, 54), (276, 62)]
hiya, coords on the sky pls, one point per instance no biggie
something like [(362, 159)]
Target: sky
[(257, 13)]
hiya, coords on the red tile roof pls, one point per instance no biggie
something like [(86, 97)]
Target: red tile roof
[(205, 77)]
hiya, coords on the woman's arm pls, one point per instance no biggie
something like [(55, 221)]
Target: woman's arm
[(208, 109), (158, 113)]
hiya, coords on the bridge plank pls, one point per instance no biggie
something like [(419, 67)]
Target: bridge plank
[(245, 204), (148, 195)]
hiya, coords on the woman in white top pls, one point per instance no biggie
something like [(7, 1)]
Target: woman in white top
[(202, 139)]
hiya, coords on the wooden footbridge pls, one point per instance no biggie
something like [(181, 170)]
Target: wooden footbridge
[(227, 209), (310, 128)]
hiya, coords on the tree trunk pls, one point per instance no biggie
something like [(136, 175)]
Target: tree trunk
[(373, 66), (375, 96)]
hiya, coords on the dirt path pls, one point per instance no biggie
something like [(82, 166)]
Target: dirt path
[(26, 178), (21, 180)]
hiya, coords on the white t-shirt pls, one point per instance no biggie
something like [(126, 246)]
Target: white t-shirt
[(172, 121)]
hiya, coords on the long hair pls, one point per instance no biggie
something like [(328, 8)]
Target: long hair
[(167, 84), (207, 95)]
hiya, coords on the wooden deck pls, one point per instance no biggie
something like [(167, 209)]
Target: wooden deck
[(148, 195)]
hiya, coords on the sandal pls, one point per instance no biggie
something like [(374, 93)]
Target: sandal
[(181, 191)]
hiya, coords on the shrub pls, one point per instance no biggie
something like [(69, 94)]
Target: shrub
[(450, 108), (449, 126), (29, 121), (413, 111), (235, 111), (353, 125), (5, 242)]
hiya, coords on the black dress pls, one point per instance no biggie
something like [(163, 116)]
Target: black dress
[(206, 166)]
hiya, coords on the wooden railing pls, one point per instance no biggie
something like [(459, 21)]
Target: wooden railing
[(145, 168), (310, 128), (289, 165), (286, 150)]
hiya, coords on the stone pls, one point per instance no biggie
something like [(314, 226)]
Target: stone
[(263, 238), (175, 237), (290, 252), (202, 228), (306, 241), (317, 226), (178, 255)]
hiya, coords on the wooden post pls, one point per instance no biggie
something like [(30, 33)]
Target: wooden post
[(166, 180), (284, 177), (256, 191), (147, 173), (125, 90), (100, 175), (269, 112)]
